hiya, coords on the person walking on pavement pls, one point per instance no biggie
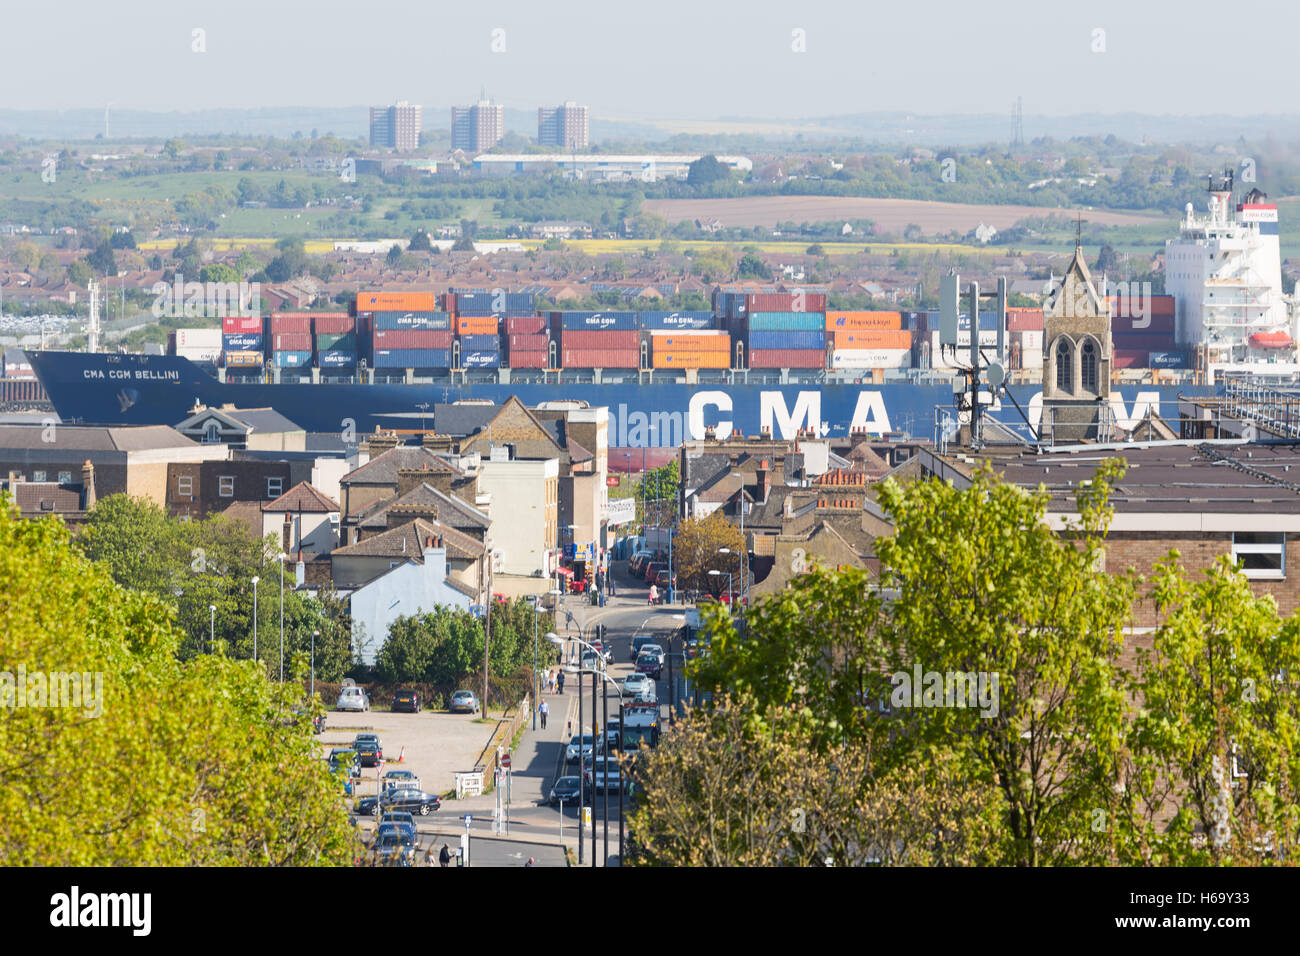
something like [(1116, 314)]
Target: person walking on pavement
[(542, 711), (654, 595), (559, 681), (444, 857)]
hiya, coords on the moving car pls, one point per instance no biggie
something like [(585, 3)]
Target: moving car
[(656, 650), (599, 645), (566, 789), (603, 774), (353, 698), (649, 665), (591, 661), (571, 751), (411, 799), (402, 819), (613, 734), (393, 846), (640, 641), (639, 686), (407, 700), (463, 702)]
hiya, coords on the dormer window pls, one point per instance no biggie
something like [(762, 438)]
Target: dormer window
[(212, 434)]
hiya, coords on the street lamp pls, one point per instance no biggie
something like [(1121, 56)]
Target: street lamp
[(537, 610), (212, 627), (255, 580), (314, 635), (283, 556), (605, 718)]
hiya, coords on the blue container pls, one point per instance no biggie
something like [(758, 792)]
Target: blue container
[(1167, 359), (594, 321), (480, 343), (429, 321), (484, 359), (988, 321), (291, 359), (336, 358), (497, 302), (241, 342), (787, 322), (412, 358), (787, 340), (673, 321)]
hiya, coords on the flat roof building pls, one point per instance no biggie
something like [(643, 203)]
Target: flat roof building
[(567, 126), (396, 127), (600, 166), (478, 127)]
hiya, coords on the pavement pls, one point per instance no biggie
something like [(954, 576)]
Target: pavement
[(537, 760)]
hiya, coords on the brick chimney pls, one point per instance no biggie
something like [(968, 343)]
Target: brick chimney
[(381, 442), (857, 436), (762, 477), (88, 485)]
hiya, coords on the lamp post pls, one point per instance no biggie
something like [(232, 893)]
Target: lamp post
[(487, 621), (582, 783), (283, 556), (212, 627), (314, 635), (537, 610), (255, 580)]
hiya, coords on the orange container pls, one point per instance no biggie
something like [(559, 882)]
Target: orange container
[(876, 339), (380, 301), (693, 359), (677, 342), (862, 321), (476, 325)]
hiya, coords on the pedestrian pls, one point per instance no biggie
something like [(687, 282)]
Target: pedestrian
[(428, 856), (559, 682), (654, 595), (530, 862), (444, 857), (611, 585), (543, 711)]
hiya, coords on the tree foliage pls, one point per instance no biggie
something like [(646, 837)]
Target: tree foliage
[(695, 554)]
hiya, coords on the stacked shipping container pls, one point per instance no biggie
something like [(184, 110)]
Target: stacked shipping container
[(693, 348), (597, 339), (1141, 326), (790, 339)]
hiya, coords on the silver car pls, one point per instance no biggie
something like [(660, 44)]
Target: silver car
[(634, 685), (353, 698)]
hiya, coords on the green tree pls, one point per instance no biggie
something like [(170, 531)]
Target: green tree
[(705, 171), (420, 242), (102, 260), (219, 272)]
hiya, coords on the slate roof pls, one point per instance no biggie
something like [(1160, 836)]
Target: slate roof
[(383, 470), (46, 497), (92, 438), (451, 509), (303, 497), (407, 541)]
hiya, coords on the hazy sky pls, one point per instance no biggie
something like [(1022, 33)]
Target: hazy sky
[(655, 58)]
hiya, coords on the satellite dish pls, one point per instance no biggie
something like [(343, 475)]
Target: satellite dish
[(997, 374)]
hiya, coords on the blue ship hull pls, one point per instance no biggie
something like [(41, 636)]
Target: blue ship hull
[(113, 389)]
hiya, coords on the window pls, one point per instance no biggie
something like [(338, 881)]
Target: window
[(1088, 365), (65, 477), (1064, 367), (185, 485), (274, 487), (226, 486), (1260, 554), (38, 476), (212, 434)]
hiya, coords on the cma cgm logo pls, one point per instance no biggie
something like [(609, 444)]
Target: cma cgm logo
[(1143, 403)]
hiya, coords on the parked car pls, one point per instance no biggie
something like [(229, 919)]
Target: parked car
[(463, 702), (407, 700), (353, 698), (652, 570), (599, 645), (345, 760), (411, 799), (636, 561), (401, 780), (591, 661), (571, 751), (566, 789), (665, 580), (369, 750), (649, 665), (302, 713)]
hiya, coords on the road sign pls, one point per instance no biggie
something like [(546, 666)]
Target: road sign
[(612, 481), (505, 761)]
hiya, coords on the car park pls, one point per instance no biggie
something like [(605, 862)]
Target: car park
[(566, 789), (463, 702), (345, 759), (407, 700), (353, 698)]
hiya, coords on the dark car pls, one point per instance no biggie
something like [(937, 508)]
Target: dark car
[(407, 700), (566, 789), (301, 713), (394, 845), (664, 580), (345, 759), (410, 800), (640, 641), (401, 818), (649, 664), (369, 750)]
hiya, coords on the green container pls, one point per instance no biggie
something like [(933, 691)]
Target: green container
[(346, 342)]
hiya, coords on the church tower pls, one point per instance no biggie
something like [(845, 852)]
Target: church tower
[(1077, 352)]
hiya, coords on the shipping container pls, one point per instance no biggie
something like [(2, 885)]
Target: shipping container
[(1139, 304), (342, 342), (528, 343), (1168, 359), (333, 323), (243, 359), (336, 358), (203, 354), (786, 302), (475, 358), (379, 301), (1025, 320), (291, 359), (495, 302), (690, 341), (600, 340), (988, 339), (871, 358), (787, 358), (410, 339), (480, 343), (476, 325), (282, 322), (786, 322), (526, 324), (528, 359), (761, 341), (1145, 341), (424, 321), (242, 342), (1130, 358), (1148, 324), (863, 321), (594, 321), (291, 342), (872, 339), (678, 359), (412, 358), (198, 338), (600, 358), (671, 321), (235, 324)]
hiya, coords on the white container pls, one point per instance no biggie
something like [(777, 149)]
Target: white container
[(200, 338), (871, 358)]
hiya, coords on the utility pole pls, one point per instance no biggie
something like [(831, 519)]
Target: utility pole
[(487, 624)]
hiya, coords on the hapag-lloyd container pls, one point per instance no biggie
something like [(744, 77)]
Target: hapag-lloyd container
[(480, 343), (690, 341), (476, 325), (862, 321), (600, 340), (786, 322), (410, 339), (423, 321), (380, 301), (871, 358), (662, 359), (412, 358), (600, 358), (787, 358), (872, 339), (241, 324), (787, 340)]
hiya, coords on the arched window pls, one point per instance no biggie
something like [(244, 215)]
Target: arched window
[(213, 433), (1088, 365), (1064, 366)]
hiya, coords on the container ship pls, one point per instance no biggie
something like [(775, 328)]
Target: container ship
[(780, 363)]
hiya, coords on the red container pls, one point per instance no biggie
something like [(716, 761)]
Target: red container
[(787, 358), (529, 359), (334, 324), (291, 342), (1024, 320), (245, 324), (411, 339), (600, 340), (601, 358), (528, 343), (786, 302), (1130, 358), (290, 322), (525, 324)]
